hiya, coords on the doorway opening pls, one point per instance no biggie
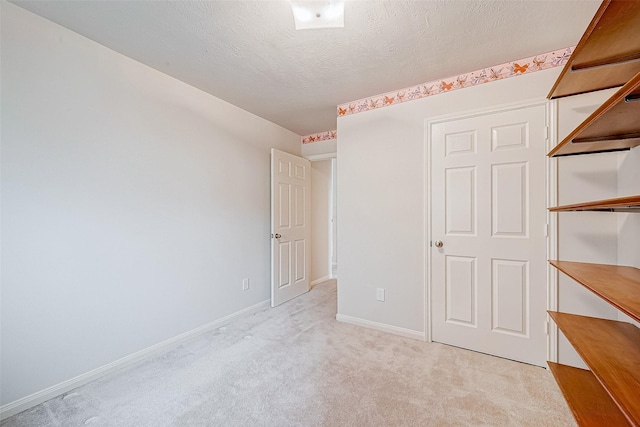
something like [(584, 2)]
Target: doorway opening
[(324, 221)]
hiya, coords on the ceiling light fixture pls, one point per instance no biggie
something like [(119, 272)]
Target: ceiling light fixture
[(313, 14)]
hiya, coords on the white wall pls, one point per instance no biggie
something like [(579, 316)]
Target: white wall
[(320, 211), (584, 236), (629, 223), (133, 205), (381, 198)]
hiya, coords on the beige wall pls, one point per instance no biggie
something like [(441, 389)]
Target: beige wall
[(319, 148), (133, 205), (381, 197)]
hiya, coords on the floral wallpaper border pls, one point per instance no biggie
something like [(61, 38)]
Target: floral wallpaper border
[(528, 65), (322, 136), (556, 58)]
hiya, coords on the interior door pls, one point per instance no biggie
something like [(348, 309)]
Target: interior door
[(488, 229), (290, 226)]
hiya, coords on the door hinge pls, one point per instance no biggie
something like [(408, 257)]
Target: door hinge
[(546, 327), (546, 230), (546, 132)]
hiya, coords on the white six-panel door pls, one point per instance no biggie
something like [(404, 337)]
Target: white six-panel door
[(488, 277), (290, 226)]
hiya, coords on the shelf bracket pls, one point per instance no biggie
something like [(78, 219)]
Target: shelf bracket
[(632, 97), (606, 138), (625, 59)]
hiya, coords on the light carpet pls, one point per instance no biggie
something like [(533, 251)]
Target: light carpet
[(295, 365)]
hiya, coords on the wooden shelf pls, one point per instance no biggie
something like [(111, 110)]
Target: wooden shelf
[(619, 286), (612, 351), (589, 402), (607, 56), (619, 204), (614, 126), (608, 53)]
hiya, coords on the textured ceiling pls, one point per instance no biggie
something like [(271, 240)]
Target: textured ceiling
[(249, 54)]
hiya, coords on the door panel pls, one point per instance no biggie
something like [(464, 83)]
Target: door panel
[(460, 200), (509, 196), (488, 280), (509, 136), (460, 143), (285, 196), (299, 206), (290, 228), (300, 257), (461, 290), (284, 252), (510, 288)]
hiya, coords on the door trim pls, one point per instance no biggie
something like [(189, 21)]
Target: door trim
[(551, 191), (325, 156), (552, 220)]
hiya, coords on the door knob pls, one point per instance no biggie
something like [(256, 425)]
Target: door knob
[(278, 235), (439, 243)]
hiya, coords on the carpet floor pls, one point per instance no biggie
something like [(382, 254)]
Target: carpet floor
[(295, 365)]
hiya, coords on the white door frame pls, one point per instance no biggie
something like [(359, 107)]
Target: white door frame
[(551, 185)]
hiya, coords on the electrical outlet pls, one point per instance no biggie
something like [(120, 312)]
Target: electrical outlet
[(380, 294), (245, 284)]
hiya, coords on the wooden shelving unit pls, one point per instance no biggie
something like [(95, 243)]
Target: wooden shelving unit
[(611, 349), (618, 204), (618, 285), (608, 53), (614, 126), (589, 402)]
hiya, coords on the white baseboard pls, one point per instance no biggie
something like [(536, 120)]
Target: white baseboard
[(396, 330), (320, 280), (34, 399)]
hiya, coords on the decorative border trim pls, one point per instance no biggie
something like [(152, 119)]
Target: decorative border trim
[(322, 136), (383, 327), (36, 398), (556, 58), (528, 65)]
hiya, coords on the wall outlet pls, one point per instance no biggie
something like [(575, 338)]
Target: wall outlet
[(245, 284), (380, 294)]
